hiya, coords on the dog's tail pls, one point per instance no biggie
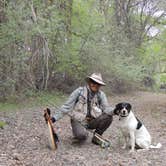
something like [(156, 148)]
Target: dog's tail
[(159, 145)]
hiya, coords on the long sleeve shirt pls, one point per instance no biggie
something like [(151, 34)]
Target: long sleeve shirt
[(72, 100)]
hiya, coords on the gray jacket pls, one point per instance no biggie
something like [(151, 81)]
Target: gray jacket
[(70, 104)]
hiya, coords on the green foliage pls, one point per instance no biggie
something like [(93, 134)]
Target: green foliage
[(154, 57), (115, 54), (163, 78), (44, 42), (160, 79)]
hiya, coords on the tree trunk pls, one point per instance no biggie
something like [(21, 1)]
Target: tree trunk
[(3, 18), (68, 17), (104, 6)]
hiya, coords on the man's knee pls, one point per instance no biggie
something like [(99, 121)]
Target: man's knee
[(79, 132), (106, 119), (81, 137), (109, 118), (104, 123)]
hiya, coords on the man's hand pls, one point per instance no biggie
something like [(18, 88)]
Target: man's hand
[(47, 113), (53, 119)]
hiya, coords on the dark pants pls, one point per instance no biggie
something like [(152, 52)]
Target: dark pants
[(100, 124)]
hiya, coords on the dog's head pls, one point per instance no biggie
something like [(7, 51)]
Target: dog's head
[(122, 109)]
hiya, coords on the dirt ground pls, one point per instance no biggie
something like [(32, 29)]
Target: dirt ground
[(23, 142)]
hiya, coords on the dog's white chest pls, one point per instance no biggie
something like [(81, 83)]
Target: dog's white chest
[(128, 123), (125, 131)]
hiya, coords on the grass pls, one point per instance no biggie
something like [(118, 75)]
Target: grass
[(6, 106), (46, 98), (2, 124), (39, 99), (33, 99)]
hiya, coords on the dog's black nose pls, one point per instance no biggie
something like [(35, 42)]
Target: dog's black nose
[(124, 112)]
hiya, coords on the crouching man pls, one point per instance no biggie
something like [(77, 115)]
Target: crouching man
[(88, 108)]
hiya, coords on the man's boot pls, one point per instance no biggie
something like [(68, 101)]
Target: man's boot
[(98, 140)]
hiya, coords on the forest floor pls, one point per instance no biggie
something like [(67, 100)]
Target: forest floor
[(23, 141)]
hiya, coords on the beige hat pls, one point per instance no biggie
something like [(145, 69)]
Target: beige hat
[(97, 78)]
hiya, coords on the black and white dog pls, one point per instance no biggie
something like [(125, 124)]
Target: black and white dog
[(134, 132)]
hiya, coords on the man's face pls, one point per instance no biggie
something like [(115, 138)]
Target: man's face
[(94, 86)]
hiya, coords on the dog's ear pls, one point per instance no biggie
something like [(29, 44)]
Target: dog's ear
[(129, 106), (117, 108), (118, 105), (116, 111)]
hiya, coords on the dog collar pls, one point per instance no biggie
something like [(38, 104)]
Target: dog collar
[(121, 116)]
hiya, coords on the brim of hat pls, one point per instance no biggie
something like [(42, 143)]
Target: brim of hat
[(96, 80)]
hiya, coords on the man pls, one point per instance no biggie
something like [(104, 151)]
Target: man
[(88, 109)]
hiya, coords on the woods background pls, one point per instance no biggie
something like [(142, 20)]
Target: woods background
[(53, 44)]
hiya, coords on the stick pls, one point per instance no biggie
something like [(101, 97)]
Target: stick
[(51, 130)]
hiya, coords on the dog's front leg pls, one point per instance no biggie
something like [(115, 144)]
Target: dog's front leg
[(132, 141), (125, 142)]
